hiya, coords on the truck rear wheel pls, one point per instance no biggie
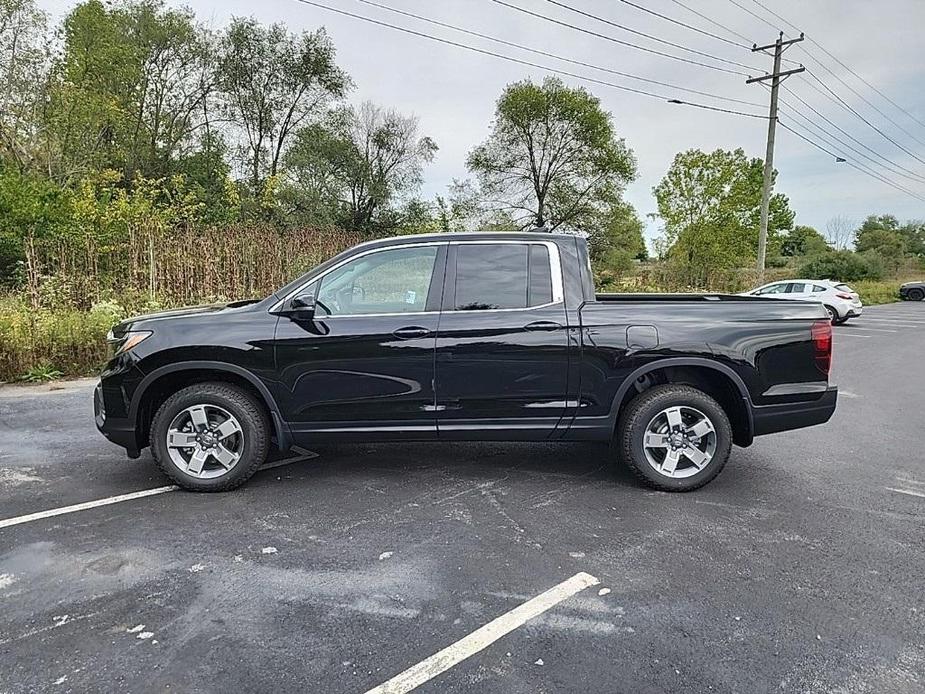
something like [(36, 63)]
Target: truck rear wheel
[(210, 437), (674, 437)]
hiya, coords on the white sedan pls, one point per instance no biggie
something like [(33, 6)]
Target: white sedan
[(840, 300)]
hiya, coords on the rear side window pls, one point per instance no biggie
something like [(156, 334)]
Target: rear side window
[(498, 276), (817, 288), (796, 288)]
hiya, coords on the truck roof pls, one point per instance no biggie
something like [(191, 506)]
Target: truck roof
[(468, 236)]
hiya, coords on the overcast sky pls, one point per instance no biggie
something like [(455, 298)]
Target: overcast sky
[(453, 91)]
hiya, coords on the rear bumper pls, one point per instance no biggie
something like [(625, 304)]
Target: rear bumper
[(120, 431), (769, 419)]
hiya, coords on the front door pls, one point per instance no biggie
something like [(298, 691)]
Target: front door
[(502, 344), (364, 363)]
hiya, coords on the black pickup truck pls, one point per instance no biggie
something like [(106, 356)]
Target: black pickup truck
[(476, 336)]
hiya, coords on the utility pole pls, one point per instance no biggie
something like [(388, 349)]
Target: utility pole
[(776, 77)]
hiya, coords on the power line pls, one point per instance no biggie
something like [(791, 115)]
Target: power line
[(527, 62), (747, 40), (850, 163), (618, 41), (835, 58), (909, 172), (555, 56), (828, 138), (848, 106), (869, 103), (643, 34), (746, 46), (753, 14)]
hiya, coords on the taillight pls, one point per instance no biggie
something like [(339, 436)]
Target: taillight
[(842, 295), (822, 345)]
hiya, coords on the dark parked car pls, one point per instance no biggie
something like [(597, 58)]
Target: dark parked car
[(912, 291), (480, 336)]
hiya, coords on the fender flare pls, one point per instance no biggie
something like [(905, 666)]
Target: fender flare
[(686, 361), (283, 436)]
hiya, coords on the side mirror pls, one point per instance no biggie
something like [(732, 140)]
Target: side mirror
[(304, 305)]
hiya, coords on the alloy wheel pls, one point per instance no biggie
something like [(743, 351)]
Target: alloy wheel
[(205, 441), (679, 441)]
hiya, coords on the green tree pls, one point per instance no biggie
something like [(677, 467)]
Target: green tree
[(553, 158), (617, 231), (913, 233), (803, 240), (360, 163), (129, 91), (710, 206), (879, 230), (23, 67), (274, 82)]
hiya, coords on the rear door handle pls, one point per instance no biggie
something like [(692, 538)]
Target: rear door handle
[(543, 325), (411, 332)]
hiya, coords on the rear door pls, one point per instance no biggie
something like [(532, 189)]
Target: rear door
[(502, 343)]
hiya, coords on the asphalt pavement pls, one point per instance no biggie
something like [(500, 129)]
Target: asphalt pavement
[(801, 568)]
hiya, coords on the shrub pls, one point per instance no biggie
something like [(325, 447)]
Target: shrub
[(71, 340), (844, 266)]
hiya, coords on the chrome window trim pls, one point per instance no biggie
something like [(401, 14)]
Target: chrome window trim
[(555, 269)]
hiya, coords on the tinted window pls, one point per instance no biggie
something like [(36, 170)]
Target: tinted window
[(817, 288), (774, 289), (491, 276), (796, 288), (844, 288), (388, 281)]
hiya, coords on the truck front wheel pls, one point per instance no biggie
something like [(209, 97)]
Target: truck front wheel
[(674, 437), (210, 437)]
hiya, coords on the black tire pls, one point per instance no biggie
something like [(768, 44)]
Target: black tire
[(255, 431), (833, 315), (916, 294), (644, 408)]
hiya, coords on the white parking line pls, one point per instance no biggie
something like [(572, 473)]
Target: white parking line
[(484, 636), (897, 321), (107, 501), (7, 522), (840, 335), (858, 326), (906, 491)]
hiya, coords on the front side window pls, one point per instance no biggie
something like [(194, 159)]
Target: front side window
[(389, 281), (502, 276)]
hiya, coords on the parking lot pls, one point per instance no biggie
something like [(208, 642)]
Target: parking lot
[(799, 569)]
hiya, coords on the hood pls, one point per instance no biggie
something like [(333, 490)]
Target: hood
[(144, 321)]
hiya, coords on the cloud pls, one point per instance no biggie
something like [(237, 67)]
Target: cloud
[(453, 90)]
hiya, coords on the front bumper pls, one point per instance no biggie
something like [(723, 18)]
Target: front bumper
[(769, 419), (119, 430)]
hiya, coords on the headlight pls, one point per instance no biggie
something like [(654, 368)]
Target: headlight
[(128, 341)]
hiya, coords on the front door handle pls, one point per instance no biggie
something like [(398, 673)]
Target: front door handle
[(411, 332), (543, 325)]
